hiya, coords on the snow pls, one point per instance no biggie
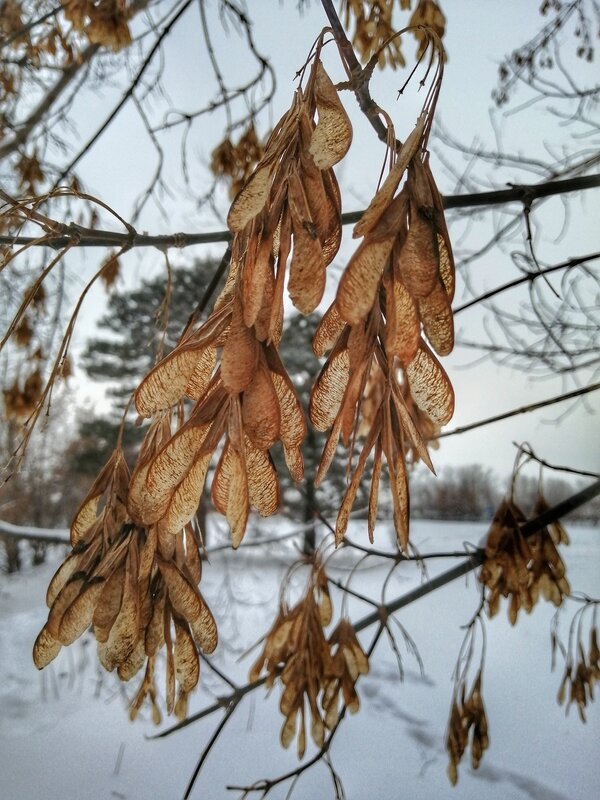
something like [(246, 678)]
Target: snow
[(64, 732), (31, 532)]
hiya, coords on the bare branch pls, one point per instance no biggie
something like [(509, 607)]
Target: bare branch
[(88, 237), (468, 565), (522, 410)]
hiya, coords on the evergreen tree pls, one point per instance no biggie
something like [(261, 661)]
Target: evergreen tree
[(132, 329)]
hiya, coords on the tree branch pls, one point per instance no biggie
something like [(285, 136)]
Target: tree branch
[(88, 237), (522, 410), (127, 95), (470, 563), (48, 100), (528, 277)]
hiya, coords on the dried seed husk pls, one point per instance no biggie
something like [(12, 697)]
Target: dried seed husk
[(69, 566), (306, 282), (288, 730), (292, 428), (418, 185), (409, 427), (204, 629), (253, 196), (323, 201), (263, 486), (328, 331), (260, 410), (438, 323), (230, 493), (129, 668), (200, 379), (45, 649), (170, 672), (360, 281), (166, 383), (62, 601), (262, 326), (446, 259), (294, 462), (402, 327), (124, 632), (147, 551), (185, 499), (285, 245), (192, 555), (187, 666), (87, 512), (108, 605), (155, 636), (159, 433), (183, 595), (169, 467), (328, 392), (418, 260), (430, 386), (350, 494), (329, 450), (77, 618), (240, 353), (257, 271), (332, 135), (374, 491)]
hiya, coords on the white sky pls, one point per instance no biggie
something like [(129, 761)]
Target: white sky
[(478, 36)]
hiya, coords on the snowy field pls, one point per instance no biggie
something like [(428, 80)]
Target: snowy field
[(65, 734)]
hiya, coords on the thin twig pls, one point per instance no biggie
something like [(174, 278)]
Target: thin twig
[(522, 410)]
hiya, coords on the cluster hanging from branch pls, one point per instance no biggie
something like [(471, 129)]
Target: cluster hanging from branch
[(315, 670), (137, 587), (523, 568), (133, 570)]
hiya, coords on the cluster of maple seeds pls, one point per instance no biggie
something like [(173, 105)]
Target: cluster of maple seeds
[(286, 223), (581, 673), (290, 206), (398, 285), (373, 21), (316, 671), (104, 23), (520, 568), (467, 727), (237, 161), (22, 397), (137, 588)]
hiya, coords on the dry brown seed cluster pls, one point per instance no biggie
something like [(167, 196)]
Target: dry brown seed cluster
[(103, 22), (110, 271), (134, 567), (314, 670), (374, 26), (290, 206), (580, 675), (467, 728), (520, 568), (137, 589), (237, 161), (22, 397), (427, 14), (396, 290)]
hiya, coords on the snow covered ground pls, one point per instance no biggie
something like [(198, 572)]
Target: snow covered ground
[(65, 734)]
